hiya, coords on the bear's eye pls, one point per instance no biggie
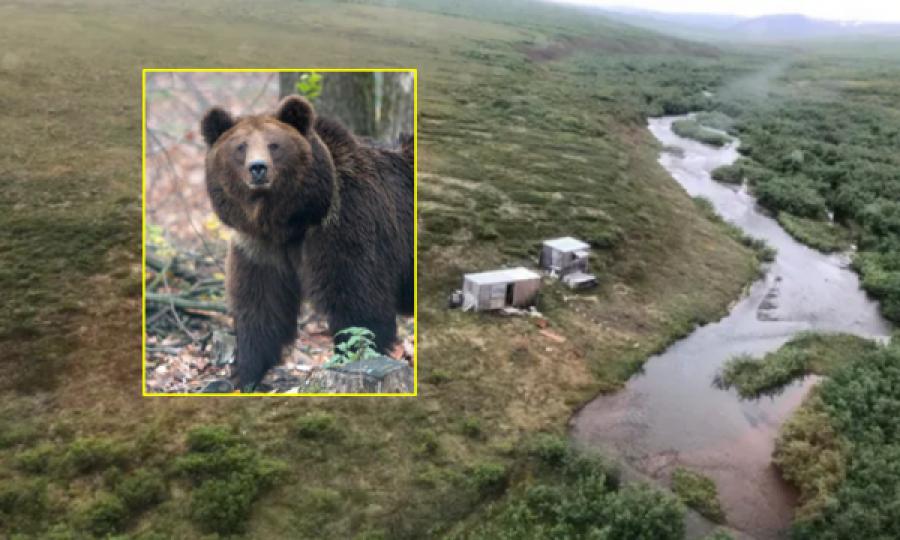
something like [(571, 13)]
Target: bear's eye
[(273, 146), (242, 147)]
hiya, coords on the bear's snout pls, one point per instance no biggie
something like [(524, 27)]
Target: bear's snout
[(258, 169)]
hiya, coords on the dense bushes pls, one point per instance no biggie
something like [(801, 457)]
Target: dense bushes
[(575, 496), (804, 354), (880, 274), (796, 195), (228, 476), (715, 120), (862, 405), (828, 149), (740, 170), (699, 492), (842, 447), (690, 129), (824, 236)]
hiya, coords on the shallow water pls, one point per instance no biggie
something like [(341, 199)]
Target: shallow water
[(671, 415)]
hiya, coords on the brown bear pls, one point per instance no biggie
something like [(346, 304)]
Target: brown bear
[(318, 214)]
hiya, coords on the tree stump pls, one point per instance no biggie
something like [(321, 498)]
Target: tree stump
[(380, 375)]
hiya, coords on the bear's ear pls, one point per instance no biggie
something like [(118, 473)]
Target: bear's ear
[(296, 112), (215, 122)]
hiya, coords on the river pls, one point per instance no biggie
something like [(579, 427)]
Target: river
[(671, 415)]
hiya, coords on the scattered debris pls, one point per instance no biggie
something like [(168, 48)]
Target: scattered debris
[(580, 280), (455, 300), (555, 337)]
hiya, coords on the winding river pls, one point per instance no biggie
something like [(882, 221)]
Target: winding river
[(672, 416)]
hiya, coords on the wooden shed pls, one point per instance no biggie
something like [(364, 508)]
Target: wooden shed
[(513, 287), (563, 256)]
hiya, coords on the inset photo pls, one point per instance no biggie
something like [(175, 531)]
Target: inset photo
[(280, 232)]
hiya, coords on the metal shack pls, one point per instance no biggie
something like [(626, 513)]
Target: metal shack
[(513, 287), (564, 256)]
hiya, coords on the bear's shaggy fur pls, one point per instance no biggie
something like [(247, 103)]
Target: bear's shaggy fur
[(318, 214)]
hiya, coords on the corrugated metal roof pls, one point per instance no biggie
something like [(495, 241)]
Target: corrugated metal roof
[(566, 243), (502, 276)]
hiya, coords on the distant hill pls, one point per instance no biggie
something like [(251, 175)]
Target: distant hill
[(697, 20), (702, 26), (785, 26), (796, 26)]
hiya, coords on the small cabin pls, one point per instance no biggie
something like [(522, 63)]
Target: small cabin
[(498, 289), (564, 256)]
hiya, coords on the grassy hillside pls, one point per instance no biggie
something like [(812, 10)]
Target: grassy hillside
[(532, 125)]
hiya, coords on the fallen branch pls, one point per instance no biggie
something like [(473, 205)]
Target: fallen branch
[(158, 263), (184, 303)]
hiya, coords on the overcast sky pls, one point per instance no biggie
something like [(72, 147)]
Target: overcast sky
[(866, 10)]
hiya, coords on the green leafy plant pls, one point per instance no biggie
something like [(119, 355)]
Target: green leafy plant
[(359, 347), (310, 85)]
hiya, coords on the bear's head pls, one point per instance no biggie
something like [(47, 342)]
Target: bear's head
[(262, 150), (269, 171)]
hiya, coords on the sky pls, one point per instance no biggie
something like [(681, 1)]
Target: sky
[(865, 10)]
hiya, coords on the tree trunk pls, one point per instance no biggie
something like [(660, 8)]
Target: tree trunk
[(349, 97), (376, 105), (397, 105)]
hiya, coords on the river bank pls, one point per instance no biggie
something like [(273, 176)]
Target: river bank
[(673, 416)]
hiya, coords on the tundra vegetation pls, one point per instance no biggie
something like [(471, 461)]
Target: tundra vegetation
[(531, 125), (841, 446)]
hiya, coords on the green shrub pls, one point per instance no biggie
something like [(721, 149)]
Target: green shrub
[(862, 404), (222, 505), (490, 479), (141, 489), (550, 449), (227, 474), (753, 378), (585, 508), (317, 426), (729, 174), (739, 171), (811, 455), (690, 129), (574, 494), (824, 236), (880, 274), (715, 120), (473, 428), (201, 466), (103, 515), (24, 503), (698, 492), (94, 454), (795, 195), (15, 434), (426, 443), (35, 460), (210, 439)]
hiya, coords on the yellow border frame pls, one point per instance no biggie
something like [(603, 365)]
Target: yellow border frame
[(144, 227)]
